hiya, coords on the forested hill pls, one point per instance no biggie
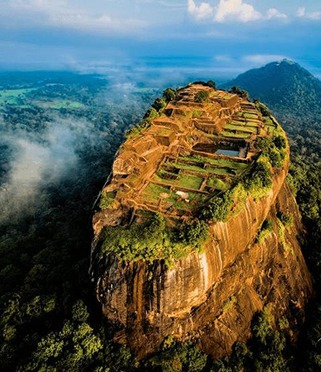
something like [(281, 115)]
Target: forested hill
[(285, 86)]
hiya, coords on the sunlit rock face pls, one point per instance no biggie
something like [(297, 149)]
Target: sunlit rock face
[(210, 295)]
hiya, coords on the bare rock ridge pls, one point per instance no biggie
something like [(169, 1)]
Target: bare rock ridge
[(196, 229)]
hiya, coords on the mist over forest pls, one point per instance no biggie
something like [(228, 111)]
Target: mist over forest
[(59, 132), (43, 149), (44, 145)]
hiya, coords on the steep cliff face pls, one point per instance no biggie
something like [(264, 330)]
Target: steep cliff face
[(209, 295)]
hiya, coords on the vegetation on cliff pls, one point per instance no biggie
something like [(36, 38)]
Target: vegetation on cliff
[(155, 240), (45, 293)]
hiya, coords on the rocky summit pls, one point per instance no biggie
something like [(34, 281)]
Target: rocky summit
[(196, 228)]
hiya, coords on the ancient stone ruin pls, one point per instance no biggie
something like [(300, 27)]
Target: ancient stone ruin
[(150, 170), (192, 154)]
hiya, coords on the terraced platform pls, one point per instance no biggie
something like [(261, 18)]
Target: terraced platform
[(191, 152)]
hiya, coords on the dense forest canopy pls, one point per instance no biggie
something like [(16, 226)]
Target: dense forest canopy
[(59, 133)]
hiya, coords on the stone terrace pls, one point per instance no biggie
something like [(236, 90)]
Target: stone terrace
[(188, 155)]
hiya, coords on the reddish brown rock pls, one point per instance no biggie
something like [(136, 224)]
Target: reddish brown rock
[(210, 297)]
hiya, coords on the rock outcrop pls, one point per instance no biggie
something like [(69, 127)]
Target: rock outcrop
[(210, 295)]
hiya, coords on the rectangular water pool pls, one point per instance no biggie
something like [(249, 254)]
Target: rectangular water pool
[(227, 152)]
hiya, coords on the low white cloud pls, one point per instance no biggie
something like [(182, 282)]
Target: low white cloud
[(223, 58), (38, 161), (60, 13), (262, 59), (302, 13), (236, 10), (314, 15), (199, 12), (274, 13), (232, 11)]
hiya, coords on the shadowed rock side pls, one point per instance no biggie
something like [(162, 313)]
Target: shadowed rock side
[(210, 296)]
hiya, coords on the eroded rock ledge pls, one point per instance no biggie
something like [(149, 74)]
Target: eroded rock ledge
[(210, 294)]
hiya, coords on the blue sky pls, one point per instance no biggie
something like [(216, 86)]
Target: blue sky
[(220, 36)]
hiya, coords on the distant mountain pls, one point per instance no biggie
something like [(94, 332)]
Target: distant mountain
[(285, 86)]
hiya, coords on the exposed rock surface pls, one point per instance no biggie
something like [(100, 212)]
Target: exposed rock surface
[(209, 296)]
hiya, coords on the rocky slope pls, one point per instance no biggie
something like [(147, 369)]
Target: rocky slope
[(249, 260)]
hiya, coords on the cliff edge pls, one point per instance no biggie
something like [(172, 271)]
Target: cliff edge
[(196, 229)]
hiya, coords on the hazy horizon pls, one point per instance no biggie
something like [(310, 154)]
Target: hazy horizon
[(219, 38)]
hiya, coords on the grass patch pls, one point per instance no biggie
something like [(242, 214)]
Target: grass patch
[(195, 168), (152, 192), (238, 122), (189, 181), (215, 136), (186, 166), (107, 200), (152, 195), (226, 133), (183, 180), (220, 162), (250, 116), (162, 173), (217, 184), (241, 128), (268, 121), (219, 171), (252, 124)]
